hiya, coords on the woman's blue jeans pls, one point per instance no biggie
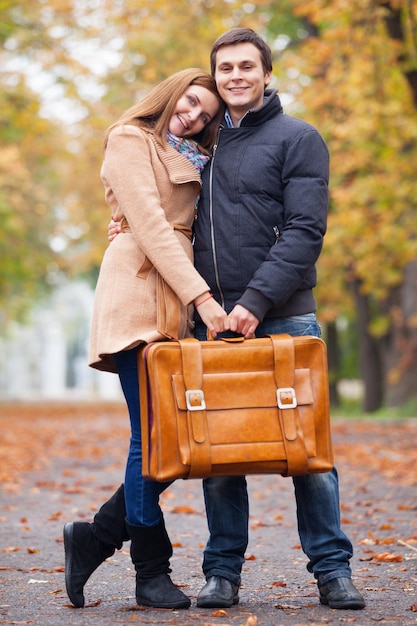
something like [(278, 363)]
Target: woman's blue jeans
[(141, 496), (317, 500)]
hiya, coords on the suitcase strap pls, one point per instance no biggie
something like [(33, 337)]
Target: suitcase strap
[(200, 450), (292, 434)]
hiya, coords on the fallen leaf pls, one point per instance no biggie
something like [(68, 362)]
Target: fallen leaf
[(220, 613), (386, 527), (188, 510), (366, 542), (11, 549), (258, 524), (91, 604), (388, 557), (407, 544), (55, 516), (387, 541)]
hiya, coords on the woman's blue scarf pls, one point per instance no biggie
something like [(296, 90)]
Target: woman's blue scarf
[(189, 149)]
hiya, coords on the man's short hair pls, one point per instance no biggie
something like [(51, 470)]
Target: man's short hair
[(235, 36)]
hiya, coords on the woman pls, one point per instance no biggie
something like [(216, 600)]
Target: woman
[(151, 174)]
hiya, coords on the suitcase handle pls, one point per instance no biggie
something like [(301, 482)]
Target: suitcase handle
[(226, 339)]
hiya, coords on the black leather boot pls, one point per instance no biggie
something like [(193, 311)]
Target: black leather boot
[(218, 592), (151, 550), (341, 593), (88, 545)]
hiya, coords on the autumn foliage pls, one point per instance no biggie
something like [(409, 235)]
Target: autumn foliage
[(68, 70)]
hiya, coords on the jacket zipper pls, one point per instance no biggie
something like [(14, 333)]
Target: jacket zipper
[(213, 245)]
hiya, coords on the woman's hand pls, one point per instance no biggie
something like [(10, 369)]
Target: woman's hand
[(212, 314), (113, 229)]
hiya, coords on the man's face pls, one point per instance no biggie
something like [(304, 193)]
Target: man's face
[(240, 78)]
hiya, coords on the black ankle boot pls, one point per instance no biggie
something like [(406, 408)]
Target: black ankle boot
[(88, 545), (151, 550), (109, 522), (83, 554)]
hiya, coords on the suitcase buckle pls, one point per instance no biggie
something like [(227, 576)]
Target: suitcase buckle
[(286, 398), (195, 400)]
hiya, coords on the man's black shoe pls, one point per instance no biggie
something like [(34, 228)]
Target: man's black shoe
[(218, 592), (341, 593)]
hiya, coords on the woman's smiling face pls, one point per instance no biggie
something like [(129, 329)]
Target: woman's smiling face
[(194, 110)]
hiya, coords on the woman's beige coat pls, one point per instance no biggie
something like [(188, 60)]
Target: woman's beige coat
[(152, 189)]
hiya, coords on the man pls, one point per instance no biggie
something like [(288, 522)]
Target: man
[(260, 227), (261, 221)]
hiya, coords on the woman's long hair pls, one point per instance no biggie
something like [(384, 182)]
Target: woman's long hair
[(157, 108)]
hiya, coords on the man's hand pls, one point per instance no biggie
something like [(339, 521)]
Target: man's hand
[(243, 322)]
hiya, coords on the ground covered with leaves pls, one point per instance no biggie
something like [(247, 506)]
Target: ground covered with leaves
[(60, 462)]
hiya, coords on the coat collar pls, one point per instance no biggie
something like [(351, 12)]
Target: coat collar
[(180, 169)]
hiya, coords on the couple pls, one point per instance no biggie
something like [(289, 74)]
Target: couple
[(258, 233)]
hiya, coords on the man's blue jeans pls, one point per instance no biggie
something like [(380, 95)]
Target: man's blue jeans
[(317, 499)]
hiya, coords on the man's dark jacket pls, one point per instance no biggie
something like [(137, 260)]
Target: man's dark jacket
[(262, 213)]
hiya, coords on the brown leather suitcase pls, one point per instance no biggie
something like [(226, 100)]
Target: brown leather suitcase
[(235, 407)]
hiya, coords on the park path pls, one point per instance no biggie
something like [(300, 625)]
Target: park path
[(59, 462)]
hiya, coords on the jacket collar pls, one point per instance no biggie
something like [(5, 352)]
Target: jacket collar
[(270, 107)]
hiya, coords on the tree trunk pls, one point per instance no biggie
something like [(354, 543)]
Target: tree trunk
[(369, 354), (401, 350), (394, 21), (333, 362)]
